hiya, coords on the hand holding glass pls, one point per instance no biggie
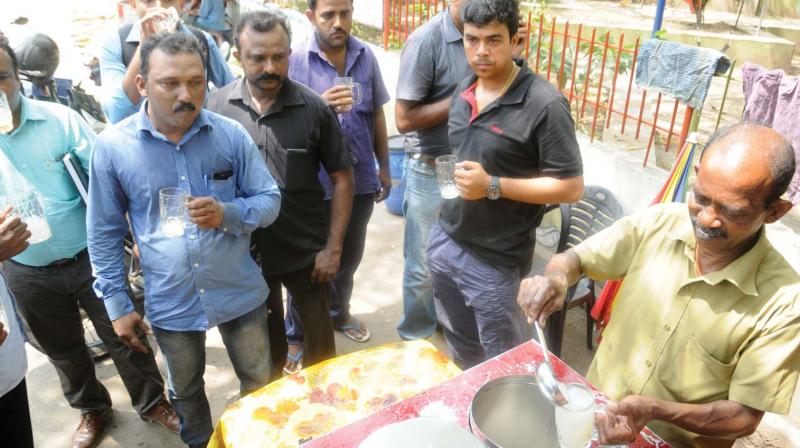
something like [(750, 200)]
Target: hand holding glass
[(31, 211), (446, 175), (355, 88), (174, 215)]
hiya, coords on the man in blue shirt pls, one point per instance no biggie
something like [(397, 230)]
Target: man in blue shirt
[(204, 277), (328, 53), (52, 278), (121, 98)]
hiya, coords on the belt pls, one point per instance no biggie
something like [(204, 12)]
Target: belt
[(425, 158), (62, 263)]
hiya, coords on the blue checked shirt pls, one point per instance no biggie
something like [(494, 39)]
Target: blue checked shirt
[(116, 103), (205, 277)]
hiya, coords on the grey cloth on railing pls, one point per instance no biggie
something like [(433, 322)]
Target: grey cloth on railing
[(682, 71)]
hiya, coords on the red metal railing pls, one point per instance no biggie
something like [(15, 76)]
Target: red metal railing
[(402, 17), (596, 75)]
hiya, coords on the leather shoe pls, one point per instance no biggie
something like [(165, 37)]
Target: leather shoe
[(91, 428), (164, 414)]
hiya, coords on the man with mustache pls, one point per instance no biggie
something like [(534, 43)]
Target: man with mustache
[(203, 277), (296, 131), (331, 52), (703, 338), (52, 279)]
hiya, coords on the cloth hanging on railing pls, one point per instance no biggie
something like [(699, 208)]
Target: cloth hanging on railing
[(773, 99), (674, 190), (681, 71)]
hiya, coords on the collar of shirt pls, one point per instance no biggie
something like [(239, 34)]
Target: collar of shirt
[(28, 110), (288, 96), (144, 125), (514, 95), (741, 272), (449, 28), (354, 51)]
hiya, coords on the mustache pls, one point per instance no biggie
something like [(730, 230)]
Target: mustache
[(269, 77), (707, 234), (183, 106), (339, 31)]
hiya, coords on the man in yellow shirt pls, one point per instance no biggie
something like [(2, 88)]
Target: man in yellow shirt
[(703, 339)]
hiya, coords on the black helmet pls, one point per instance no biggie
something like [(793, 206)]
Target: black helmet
[(38, 56)]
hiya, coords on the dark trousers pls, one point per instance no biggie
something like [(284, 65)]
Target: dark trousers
[(311, 301), (342, 285), (15, 418), (48, 300)]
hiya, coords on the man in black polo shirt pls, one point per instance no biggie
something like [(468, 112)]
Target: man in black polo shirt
[(513, 134), (295, 131)]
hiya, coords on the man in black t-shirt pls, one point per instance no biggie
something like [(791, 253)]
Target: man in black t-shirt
[(295, 131), (513, 135)]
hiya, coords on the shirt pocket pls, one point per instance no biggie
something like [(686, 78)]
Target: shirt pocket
[(223, 190), (295, 169), (695, 376)]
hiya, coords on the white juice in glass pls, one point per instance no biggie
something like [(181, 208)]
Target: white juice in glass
[(173, 227), (40, 230), (575, 420), (449, 190)]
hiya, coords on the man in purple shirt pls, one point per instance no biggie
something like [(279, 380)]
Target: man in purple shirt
[(331, 52)]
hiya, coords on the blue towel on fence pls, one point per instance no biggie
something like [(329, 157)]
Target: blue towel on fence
[(682, 71)]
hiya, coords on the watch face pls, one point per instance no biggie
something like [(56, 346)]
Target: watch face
[(493, 192)]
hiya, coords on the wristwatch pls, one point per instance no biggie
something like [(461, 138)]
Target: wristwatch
[(493, 190)]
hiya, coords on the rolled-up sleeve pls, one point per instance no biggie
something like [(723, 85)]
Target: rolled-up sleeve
[(221, 74), (116, 104), (259, 200), (106, 227)]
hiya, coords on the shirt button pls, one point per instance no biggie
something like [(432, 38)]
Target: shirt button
[(192, 237), (648, 364), (177, 147), (667, 327), (197, 265), (224, 229), (202, 291), (183, 177)]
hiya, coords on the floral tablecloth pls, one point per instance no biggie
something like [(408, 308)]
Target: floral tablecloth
[(330, 395)]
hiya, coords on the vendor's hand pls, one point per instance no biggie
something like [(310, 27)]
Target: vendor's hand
[(14, 235), (471, 180), (519, 49), (3, 334), (541, 296), (385, 177), (125, 328), (326, 265), (624, 420), (339, 97), (149, 20), (206, 212)]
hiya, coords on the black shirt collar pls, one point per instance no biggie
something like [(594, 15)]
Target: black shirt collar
[(288, 96), (517, 90)]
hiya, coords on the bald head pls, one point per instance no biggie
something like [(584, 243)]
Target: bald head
[(752, 158)]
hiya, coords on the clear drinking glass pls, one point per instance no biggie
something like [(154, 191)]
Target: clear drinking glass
[(575, 420), (354, 87), (6, 117), (446, 175), (174, 215), (31, 211), (169, 23)]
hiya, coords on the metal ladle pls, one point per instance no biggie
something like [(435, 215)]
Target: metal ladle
[(548, 384)]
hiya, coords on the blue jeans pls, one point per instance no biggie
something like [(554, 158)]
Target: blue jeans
[(476, 302), (247, 343), (421, 204)]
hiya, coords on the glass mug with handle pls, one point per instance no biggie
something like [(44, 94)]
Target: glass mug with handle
[(355, 88), (31, 210), (446, 176), (174, 214), (575, 419)]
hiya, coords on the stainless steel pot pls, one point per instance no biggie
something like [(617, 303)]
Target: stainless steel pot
[(511, 412)]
